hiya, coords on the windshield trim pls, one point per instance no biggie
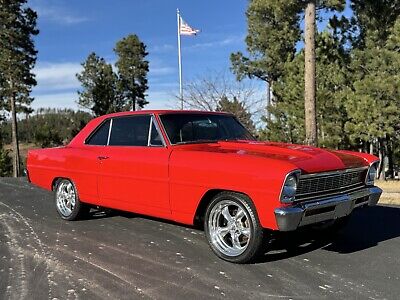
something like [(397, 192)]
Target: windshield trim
[(200, 141)]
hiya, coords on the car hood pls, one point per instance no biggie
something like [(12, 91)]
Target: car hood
[(308, 159)]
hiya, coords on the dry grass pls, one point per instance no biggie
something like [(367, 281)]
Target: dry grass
[(389, 186), (391, 191), (23, 150)]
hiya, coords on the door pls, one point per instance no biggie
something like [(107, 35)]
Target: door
[(133, 167)]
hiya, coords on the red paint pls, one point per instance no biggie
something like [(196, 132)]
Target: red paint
[(169, 182)]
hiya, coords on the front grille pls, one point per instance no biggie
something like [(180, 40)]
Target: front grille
[(330, 183)]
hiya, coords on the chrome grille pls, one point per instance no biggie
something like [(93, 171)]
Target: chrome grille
[(330, 183)]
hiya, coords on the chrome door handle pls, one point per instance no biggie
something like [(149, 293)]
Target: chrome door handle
[(102, 157)]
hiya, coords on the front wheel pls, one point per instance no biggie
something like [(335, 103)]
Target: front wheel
[(67, 201), (232, 228)]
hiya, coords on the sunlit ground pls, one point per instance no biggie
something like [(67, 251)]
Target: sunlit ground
[(391, 191)]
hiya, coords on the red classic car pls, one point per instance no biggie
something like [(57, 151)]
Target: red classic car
[(203, 168)]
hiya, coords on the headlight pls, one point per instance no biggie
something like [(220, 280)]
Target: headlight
[(371, 175), (290, 187)]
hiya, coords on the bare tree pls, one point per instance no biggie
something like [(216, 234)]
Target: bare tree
[(206, 92)]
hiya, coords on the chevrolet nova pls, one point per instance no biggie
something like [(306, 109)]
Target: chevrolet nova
[(203, 168)]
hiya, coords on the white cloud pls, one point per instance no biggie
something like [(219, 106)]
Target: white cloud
[(57, 76), (61, 100), (158, 68), (57, 84), (56, 13), (161, 100), (220, 43), (161, 48)]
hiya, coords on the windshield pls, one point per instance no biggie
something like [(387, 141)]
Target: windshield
[(197, 128)]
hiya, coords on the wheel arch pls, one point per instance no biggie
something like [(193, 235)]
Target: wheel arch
[(205, 201), (54, 182)]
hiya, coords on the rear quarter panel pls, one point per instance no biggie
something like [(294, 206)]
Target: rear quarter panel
[(77, 164)]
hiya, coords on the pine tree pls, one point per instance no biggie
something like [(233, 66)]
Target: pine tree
[(99, 83), (238, 109), (374, 101), (132, 70), (332, 85), (17, 58), (273, 32)]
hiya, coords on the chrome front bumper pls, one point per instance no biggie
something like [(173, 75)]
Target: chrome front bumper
[(324, 209)]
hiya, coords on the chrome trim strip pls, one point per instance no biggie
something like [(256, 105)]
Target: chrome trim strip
[(328, 195), (360, 184), (298, 174), (164, 144), (109, 131), (150, 128), (332, 173), (371, 183)]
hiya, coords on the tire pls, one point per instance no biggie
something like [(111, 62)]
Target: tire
[(232, 228), (67, 202)]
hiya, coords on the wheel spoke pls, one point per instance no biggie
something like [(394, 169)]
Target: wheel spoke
[(70, 190), (229, 228), (240, 214), (66, 198), (227, 215), (223, 231), (235, 241), (245, 231)]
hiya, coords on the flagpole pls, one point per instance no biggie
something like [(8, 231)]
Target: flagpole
[(179, 57)]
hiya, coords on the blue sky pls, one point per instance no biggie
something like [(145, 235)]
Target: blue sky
[(70, 30)]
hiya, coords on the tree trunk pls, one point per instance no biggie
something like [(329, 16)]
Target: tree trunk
[(382, 158), (309, 76), (390, 157), (14, 133)]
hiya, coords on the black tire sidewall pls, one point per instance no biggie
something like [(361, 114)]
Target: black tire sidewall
[(256, 239)]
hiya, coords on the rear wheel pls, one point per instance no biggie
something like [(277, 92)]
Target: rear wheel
[(68, 205), (232, 228)]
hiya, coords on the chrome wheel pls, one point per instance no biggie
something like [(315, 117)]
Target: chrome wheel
[(65, 198), (229, 228)]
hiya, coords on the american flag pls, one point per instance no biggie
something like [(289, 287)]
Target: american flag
[(185, 29)]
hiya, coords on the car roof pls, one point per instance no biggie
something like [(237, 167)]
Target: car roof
[(162, 112)]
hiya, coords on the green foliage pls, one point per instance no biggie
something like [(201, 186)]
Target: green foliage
[(48, 127), (374, 101), (17, 54), (104, 91), (273, 31), (374, 19), (238, 109), (132, 70), (5, 160), (288, 109), (99, 85), (5, 163)]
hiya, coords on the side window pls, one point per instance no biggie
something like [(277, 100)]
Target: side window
[(130, 131), (155, 138), (100, 135)]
